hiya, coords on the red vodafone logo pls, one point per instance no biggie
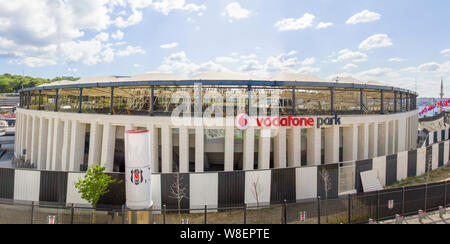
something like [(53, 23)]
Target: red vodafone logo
[(242, 121)]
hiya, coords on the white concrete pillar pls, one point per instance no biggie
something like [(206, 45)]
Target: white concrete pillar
[(184, 149), (279, 148), (95, 144), (264, 149), (332, 145), (108, 146), (35, 140), (391, 137), (42, 145), (229, 149), (295, 147), (29, 135), (65, 155), (363, 142), (154, 148), (350, 144), (403, 135), (314, 146), (50, 137), (199, 150), (382, 139), (373, 140), (249, 148), (23, 140), (58, 136), (78, 141), (17, 136)]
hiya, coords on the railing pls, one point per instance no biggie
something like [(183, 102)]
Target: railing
[(351, 209)]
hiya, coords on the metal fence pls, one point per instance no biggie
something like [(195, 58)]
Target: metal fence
[(350, 209)]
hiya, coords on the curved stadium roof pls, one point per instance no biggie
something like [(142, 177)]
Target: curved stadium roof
[(217, 77)]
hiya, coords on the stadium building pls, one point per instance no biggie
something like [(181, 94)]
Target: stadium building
[(66, 126)]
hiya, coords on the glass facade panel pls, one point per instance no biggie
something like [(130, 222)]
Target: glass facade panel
[(347, 101), (96, 100), (68, 100), (162, 101), (312, 101), (34, 100), (132, 100), (389, 102), (48, 100), (372, 101)]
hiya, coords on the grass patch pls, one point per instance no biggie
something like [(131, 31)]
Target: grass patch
[(437, 175)]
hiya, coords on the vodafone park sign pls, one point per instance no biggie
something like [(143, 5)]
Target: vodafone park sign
[(242, 121)]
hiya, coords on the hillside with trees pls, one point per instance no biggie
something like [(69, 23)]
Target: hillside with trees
[(12, 83)]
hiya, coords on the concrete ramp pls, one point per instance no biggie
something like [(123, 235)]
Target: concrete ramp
[(370, 181)]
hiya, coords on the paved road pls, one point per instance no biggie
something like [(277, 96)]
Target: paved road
[(430, 218)]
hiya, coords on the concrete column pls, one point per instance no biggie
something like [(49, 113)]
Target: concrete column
[(29, 135), (279, 148), (184, 149), (264, 149), (23, 140), (35, 140), (51, 129), (65, 155), (17, 136), (42, 145), (332, 145), (403, 135), (249, 148), (314, 147), (199, 150), (58, 134), (154, 148), (108, 146), (295, 147), (95, 144), (229, 149), (350, 144), (78, 139), (383, 139), (391, 137), (363, 142), (373, 140)]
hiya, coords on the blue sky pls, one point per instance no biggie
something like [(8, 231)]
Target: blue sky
[(394, 42)]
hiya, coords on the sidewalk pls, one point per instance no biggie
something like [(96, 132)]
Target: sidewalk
[(430, 218)]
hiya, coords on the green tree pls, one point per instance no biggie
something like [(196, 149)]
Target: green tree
[(94, 185)]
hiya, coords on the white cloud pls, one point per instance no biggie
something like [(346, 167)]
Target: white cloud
[(307, 70), (170, 45), (376, 41), (118, 35), (397, 60), (363, 17), (166, 6), (308, 61), (350, 56), (350, 66), (446, 52), (226, 60), (180, 64), (323, 25), (234, 11), (429, 67), (129, 50), (291, 24)]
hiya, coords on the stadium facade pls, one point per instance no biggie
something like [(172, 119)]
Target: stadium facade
[(66, 126)]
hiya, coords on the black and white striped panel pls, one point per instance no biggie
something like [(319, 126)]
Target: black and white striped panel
[(333, 181), (402, 166), (169, 182), (257, 187), (7, 183), (441, 154), (361, 166), (412, 163), (27, 185), (283, 186), (203, 190), (391, 169), (231, 189), (306, 182), (53, 187)]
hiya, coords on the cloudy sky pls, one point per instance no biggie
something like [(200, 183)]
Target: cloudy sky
[(394, 42)]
